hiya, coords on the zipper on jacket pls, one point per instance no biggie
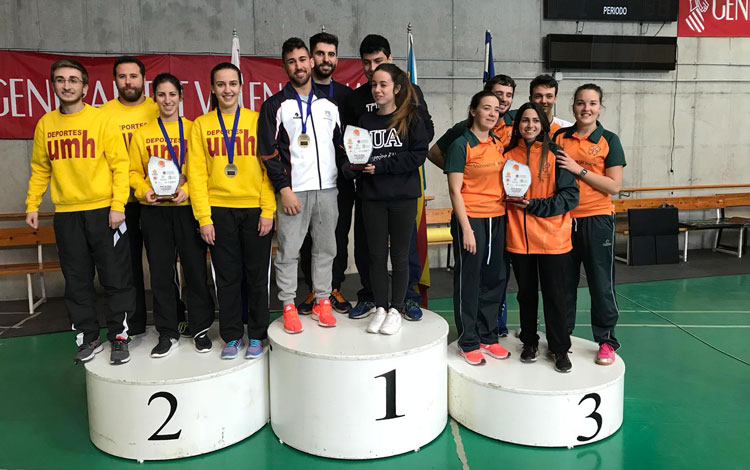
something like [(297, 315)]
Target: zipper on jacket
[(317, 151)]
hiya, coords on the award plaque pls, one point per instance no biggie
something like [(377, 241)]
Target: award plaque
[(358, 145), (516, 179), (165, 178)]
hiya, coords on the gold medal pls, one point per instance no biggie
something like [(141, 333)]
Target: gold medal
[(230, 170), (303, 140)]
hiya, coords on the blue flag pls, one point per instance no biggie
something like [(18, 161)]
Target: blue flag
[(489, 62)]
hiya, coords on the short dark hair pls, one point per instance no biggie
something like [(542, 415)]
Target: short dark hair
[(128, 59), (292, 44), (167, 78), (544, 80), (373, 43), (326, 38), (500, 79), (72, 63)]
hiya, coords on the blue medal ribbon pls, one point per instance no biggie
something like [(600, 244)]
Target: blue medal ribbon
[(330, 89), (229, 143), (181, 161), (309, 107)]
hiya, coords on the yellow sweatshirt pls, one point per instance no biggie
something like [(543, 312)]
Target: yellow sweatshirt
[(209, 185), (84, 157), (129, 118), (149, 141)]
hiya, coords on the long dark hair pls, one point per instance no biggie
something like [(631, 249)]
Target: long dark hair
[(475, 103), (167, 78), (406, 99), (543, 136), (217, 67)]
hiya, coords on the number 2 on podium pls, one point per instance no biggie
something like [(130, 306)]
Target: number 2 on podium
[(390, 395), (172, 408)]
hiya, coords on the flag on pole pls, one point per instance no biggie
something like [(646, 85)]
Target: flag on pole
[(489, 62), (421, 220), (236, 56)]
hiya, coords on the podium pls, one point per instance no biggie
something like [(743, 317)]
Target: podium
[(534, 405), (187, 403), (347, 394)]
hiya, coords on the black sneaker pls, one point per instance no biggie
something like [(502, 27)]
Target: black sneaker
[(338, 302), (184, 329), (87, 351), (562, 362), (202, 342), (529, 353), (119, 351), (165, 345), (305, 307)]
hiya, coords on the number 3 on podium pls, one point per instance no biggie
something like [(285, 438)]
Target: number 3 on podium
[(594, 415)]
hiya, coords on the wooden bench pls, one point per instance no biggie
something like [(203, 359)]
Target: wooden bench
[(439, 231), (717, 202), (28, 237)]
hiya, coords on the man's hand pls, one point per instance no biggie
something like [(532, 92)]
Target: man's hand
[(116, 218), (208, 234), (289, 202), (264, 226), (32, 219)]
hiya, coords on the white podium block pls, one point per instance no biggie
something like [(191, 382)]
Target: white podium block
[(348, 394), (534, 405), (184, 404)]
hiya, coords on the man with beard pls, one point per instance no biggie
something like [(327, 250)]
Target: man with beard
[(131, 110), (300, 142), (84, 161), (324, 47), (373, 51)]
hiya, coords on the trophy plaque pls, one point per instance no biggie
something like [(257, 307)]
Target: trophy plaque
[(165, 178), (358, 145), (516, 179)]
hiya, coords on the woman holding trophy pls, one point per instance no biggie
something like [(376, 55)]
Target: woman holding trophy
[(473, 163), (596, 157), (538, 234), (389, 186), (158, 152)]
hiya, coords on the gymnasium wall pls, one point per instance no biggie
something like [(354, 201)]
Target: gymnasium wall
[(708, 95)]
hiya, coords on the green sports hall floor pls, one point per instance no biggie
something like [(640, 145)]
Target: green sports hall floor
[(686, 344)]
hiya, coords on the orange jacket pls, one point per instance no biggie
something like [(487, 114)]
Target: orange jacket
[(544, 226)]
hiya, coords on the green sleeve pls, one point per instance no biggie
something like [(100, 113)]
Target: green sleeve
[(616, 155), (450, 135), (455, 156)]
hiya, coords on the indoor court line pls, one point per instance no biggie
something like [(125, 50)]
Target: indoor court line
[(18, 325)]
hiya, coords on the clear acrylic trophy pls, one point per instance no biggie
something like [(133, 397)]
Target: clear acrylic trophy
[(165, 178), (516, 179), (358, 145)]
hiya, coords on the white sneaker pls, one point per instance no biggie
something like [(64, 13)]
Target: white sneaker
[(378, 317), (392, 323)]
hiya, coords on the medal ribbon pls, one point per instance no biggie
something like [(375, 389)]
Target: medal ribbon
[(309, 107), (330, 89), (229, 143), (181, 161)]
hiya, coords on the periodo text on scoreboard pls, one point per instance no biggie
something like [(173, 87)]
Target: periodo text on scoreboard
[(615, 11)]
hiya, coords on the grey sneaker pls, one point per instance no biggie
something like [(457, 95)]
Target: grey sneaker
[(87, 351), (119, 351)]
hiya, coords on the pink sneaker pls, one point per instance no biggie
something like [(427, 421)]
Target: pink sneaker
[(606, 355), (495, 350), (322, 312), (475, 357)]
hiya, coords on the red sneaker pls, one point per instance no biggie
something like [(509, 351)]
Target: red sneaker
[(475, 357), (322, 313), (606, 355), (292, 325), (495, 350)]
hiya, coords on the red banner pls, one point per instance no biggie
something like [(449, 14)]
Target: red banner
[(714, 18), (26, 92)]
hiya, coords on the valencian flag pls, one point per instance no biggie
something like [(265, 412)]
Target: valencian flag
[(424, 262), (489, 62)]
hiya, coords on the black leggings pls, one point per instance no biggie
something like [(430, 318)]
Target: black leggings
[(392, 220)]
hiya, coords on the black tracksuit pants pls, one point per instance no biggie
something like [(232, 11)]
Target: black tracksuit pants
[(345, 200), (389, 221), (594, 246), (133, 221), (85, 243), (549, 271), (167, 233), (479, 282), (237, 243)]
